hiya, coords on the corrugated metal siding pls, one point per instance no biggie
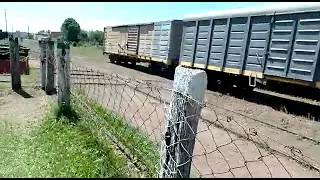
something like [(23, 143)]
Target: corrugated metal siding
[(161, 40), (188, 41), (105, 42), (145, 40), (218, 42), (237, 43), (122, 45), (305, 47), (115, 40), (280, 45), (175, 41), (133, 39), (112, 39), (258, 43), (317, 73), (202, 43), (284, 45)]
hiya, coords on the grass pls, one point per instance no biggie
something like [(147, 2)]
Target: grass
[(88, 52), (31, 43), (30, 80), (139, 144), (59, 148), (93, 52), (72, 144)]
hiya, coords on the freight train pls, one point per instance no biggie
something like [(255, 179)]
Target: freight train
[(239, 46)]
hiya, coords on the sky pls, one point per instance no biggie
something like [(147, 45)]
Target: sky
[(96, 15)]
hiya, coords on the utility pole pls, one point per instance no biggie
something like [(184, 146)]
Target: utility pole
[(5, 16), (28, 33)]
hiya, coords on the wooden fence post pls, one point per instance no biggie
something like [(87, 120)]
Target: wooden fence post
[(50, 67), (14, 64), (63, 71), (43, 69), (181, 122)]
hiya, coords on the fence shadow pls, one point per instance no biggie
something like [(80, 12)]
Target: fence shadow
[(224, 141), (51, 93), (23, 93), (282, 104), (289, 106)]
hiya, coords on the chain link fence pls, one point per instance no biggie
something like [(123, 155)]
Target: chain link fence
[(163, 133)]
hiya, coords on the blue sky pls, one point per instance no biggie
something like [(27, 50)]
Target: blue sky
[(96, 15)]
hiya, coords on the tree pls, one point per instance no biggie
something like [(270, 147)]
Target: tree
[(41, 32), (70, 29), (83, 36), (96, 37)]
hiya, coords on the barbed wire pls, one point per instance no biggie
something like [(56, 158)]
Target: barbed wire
[(225, 143)]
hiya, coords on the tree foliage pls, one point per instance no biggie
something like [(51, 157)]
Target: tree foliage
[(72, 32), (92, 37), (41, 32), (83, 36), (70, 29), (96, 36)]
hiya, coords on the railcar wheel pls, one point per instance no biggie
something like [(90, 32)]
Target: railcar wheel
[(119, 60), (111, 58)]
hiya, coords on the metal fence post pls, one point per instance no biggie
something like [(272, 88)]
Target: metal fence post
[(181, 122), (50, 67), (63, 70), (43, 69), (14, 63)]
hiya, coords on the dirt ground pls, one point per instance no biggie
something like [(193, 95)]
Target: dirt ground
[(295, 136), (22, 110), (277, 139), (217, 153)]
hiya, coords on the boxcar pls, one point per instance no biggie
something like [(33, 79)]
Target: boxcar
[(121, 43), (273, 43), (115, 40), (156, 43), (166, 42)]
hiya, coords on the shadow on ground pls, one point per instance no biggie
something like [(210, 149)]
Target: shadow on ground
[(282, 104), (69, 114), (289, 106), (23, 93)]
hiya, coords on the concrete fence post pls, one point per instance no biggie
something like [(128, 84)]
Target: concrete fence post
[(43, 69), (49, 67), (182, 118), (63, 70), (14, 63)]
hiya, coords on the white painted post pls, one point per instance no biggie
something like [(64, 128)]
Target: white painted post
[(14, 63), (182, 121), (43, 69), (63, 70), (49, 67)]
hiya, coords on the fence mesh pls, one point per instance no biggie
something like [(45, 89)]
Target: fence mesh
[(226, 144)]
